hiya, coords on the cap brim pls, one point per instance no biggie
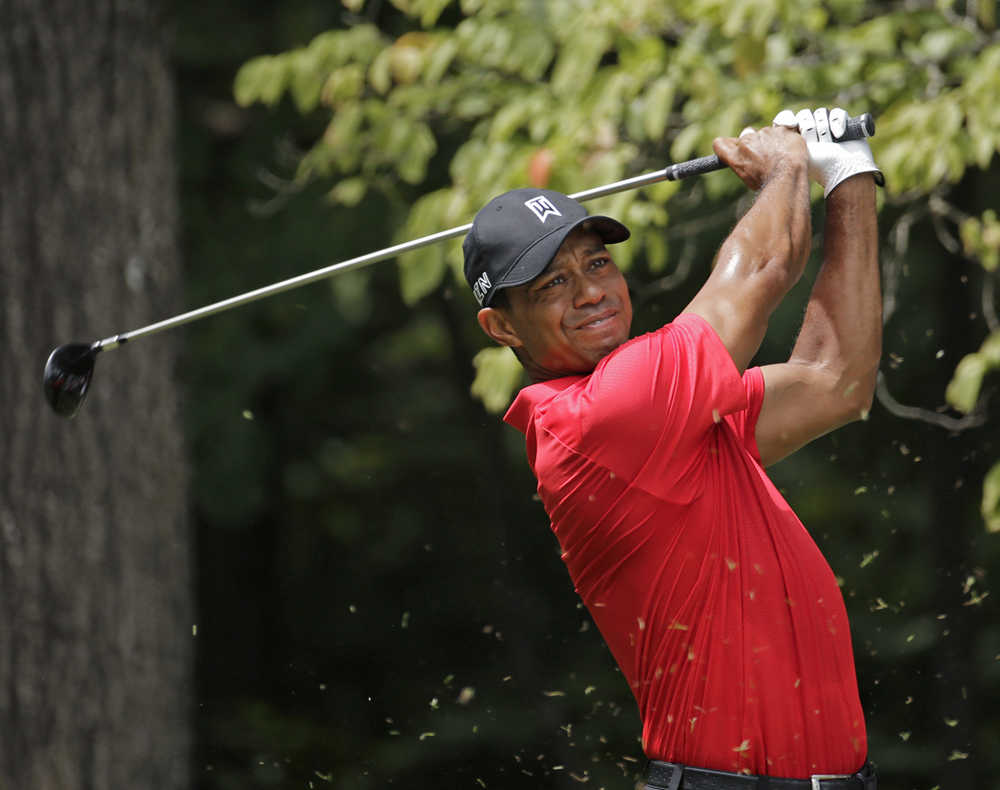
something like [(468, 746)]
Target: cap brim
[(539, 255)]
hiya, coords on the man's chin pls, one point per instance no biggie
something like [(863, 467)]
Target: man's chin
[(582, 363)]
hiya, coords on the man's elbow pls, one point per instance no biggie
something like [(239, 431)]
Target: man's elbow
[(780, 263), (856, 394)]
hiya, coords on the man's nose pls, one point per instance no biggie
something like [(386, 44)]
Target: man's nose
[(588, 291)]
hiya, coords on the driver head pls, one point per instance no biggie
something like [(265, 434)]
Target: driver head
[(67, 377)]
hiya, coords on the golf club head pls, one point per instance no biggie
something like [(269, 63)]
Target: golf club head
[(67, 376)]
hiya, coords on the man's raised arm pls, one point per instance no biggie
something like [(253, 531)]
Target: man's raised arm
[(766, 252), (829, 379)]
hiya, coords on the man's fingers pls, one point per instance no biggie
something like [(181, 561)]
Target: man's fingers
[(728, 150), (807, 126), (738, 154), (786, 118), (724, 148)]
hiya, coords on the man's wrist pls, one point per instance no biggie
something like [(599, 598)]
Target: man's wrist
[(858, 185), (790, 170)]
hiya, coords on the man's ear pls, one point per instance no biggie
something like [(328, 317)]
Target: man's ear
[(497, 326)]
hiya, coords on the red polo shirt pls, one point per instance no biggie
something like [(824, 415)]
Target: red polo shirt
[(717, 604)]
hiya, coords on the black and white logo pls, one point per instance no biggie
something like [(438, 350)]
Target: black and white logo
[(481, 287), (542, 208)]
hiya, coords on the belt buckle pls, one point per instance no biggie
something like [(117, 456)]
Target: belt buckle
[(815, 779)]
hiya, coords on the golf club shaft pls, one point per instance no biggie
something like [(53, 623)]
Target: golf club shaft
[(858, 127), (703, 165)]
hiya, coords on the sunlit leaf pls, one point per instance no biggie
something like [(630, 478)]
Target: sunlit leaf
[(262, 79), (498, 375), (350, 191), (991, 499), (963, 389), (659, 98)]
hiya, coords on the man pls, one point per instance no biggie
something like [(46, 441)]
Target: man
[(719, 608)]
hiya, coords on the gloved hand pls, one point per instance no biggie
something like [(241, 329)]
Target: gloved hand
[(830, 163)]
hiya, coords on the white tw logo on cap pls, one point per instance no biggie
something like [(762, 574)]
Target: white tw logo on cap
[(481, 287), (542, 207)]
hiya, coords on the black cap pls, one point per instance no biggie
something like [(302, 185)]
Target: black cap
[(516, 235)]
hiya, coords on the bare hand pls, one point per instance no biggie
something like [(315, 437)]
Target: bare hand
[(757, 156)]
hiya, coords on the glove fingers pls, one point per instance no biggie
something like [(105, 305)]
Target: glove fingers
[(838, 122), (822, 125), (807, 126), (786, 118)]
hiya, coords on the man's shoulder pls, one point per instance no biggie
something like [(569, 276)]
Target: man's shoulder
[(619, 381), (533, 398)]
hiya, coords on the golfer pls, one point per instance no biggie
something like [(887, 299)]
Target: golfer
[(722, 613)]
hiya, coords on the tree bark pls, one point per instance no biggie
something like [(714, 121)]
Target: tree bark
[(95, 591)]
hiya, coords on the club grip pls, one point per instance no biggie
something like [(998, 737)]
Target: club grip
[(858, 128), (694, 167)]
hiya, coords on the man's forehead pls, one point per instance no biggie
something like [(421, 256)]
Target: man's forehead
[(581, 240)]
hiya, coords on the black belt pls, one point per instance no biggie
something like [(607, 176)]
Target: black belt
[(672, 776)]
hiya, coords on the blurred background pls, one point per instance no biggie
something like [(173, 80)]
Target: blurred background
[(294, 546)]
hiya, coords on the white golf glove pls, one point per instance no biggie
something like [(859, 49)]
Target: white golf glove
[(830, 163)]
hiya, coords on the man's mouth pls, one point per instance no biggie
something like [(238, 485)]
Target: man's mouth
[(597, 320)]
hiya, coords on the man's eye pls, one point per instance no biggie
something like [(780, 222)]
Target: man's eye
[(600, 261), (553, 281)]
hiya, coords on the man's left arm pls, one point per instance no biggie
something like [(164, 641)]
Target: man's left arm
[(829, 379)]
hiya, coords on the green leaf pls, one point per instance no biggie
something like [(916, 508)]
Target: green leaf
[(991, 499), (421, 145), (420, 272), (686, 142), (963, 389), (305, 82), (644, 58), (343, 84), (341, 144), (350, 191), (659, 100), (656, 251), (939, 44), (439, 58), (981, 239), (380, 72), (510, 118), (983, 136), (577, 62), (430, 10), (498, 375), (262, 79)]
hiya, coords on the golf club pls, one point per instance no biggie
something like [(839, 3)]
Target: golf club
[(70, 367)]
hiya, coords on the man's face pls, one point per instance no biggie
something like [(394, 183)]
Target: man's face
[(574, 313)]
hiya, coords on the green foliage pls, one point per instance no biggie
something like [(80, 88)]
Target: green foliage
[(368, 543), (567, 95)]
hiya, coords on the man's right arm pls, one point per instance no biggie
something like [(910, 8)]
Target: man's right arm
[(766, 252)]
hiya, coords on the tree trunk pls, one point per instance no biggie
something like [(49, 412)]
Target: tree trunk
[(95, 592)]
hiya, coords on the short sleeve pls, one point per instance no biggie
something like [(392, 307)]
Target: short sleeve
[(745, 422), (647, 408)]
